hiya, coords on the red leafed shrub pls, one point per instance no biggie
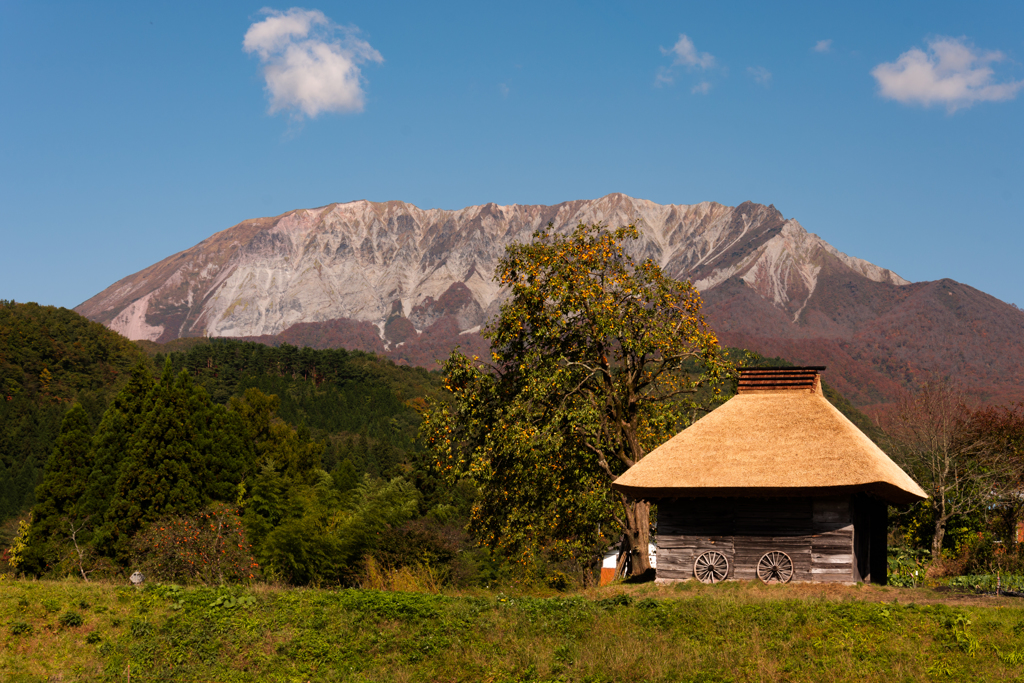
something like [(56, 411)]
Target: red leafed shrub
[(207, 547)]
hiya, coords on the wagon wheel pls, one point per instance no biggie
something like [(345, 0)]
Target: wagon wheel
[(775, 567), (711, 567)]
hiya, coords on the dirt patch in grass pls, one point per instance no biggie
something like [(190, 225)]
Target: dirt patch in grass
[(831, 592)]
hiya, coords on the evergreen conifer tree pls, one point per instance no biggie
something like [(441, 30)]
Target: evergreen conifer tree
[(186, 452), (110, 444), (58, 496)]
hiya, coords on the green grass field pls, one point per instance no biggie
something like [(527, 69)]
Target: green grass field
[(71, 631)]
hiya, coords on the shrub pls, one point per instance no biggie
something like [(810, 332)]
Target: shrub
[(19, 628), (70, 619), (326, 540), (558, 581), (443, 547), (982, 553), (209, 547), (944, 566), (906, 567), (140, 628), (93, 638), (419, 579), (14, 556), (419, 542)]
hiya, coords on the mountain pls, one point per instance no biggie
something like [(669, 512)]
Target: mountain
[(411, 283)]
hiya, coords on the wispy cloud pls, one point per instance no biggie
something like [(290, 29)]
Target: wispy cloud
[(952, 72), (760, 74), (823, 45), (311, 65), (686, 54), (664, 76)]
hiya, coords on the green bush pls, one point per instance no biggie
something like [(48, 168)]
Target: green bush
[(558, 581), (443, 547), (93, 638), (906, 567), (420, 541), (70, 619), (20, 628), (326, 540), (983, 553)]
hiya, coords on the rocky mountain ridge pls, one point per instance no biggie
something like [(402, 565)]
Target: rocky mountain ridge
[(365, 261), (394, 278)]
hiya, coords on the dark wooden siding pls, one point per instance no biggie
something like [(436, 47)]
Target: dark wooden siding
[(817, 534)]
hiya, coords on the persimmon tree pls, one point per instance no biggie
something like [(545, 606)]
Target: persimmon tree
[(208, 546), (596, 359)]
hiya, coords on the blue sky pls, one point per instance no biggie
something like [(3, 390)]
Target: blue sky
[(131, 131)]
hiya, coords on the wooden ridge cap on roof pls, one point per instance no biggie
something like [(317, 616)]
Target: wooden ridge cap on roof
[(806, 378)]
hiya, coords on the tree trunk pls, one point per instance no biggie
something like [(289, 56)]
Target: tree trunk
[(636, 536), (940, 534)]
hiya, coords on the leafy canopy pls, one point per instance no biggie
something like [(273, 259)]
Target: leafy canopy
[(596, 359)]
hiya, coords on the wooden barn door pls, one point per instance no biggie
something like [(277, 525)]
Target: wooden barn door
[(870, 538)]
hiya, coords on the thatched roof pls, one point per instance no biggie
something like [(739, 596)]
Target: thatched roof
[(770, 441)]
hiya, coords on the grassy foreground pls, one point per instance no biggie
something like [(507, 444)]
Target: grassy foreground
[(73, 631)]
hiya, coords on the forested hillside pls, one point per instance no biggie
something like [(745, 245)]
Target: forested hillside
[(363, 407), (296, 464), (49, 357), (309, 455)]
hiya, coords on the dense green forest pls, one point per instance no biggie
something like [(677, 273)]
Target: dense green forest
[(309, 455), (49, 358), (364, 407)]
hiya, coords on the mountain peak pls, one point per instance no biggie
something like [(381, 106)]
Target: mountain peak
[(421, 280), (354, 259)]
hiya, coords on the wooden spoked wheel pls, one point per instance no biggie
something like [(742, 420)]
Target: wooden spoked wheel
[(775, 567), (711, 567)]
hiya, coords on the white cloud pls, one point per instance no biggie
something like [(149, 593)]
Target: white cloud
[(952, 72), (760, 74), (687, 55), (823, 45), (311, 65)]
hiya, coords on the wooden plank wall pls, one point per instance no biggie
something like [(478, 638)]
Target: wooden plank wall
[(817, 534)]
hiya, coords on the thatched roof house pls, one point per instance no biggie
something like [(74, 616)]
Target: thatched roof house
[(776, 469)]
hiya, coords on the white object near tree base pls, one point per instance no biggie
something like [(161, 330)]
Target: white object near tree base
[(136, 578)]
